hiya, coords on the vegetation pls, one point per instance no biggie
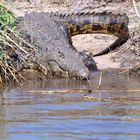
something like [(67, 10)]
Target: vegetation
[(7, 18), (13, 55)]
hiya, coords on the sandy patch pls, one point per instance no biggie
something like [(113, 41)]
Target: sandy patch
[(93, 43)]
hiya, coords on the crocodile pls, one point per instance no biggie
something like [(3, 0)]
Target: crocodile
[(54, 50), (51, 34), (96, 22)]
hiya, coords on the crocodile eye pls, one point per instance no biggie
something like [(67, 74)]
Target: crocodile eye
[(46, 49), (61, 55)]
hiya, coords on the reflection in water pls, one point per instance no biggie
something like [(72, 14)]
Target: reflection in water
[(2, 115), (39, 116)]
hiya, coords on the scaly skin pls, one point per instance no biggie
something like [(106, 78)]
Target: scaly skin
[(52, 44), (104, 23)]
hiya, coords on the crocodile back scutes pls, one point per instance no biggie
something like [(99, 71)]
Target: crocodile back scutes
[(94, 22)]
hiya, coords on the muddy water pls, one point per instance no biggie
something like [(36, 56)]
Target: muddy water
[(33, 111)]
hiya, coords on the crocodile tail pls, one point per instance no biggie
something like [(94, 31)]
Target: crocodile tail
[(97, 22), (104, 23), (94, 22), (121, 40), (118, 28)]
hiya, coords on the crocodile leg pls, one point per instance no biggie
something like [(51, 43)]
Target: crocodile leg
[(56, 70)]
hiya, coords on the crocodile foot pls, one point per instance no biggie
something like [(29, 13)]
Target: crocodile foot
[(56, 70)]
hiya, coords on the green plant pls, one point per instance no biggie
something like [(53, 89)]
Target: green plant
[(7, 18)]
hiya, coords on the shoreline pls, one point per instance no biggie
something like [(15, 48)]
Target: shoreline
[(90, 43)]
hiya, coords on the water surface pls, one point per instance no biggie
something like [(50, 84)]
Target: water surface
[(30, 112)]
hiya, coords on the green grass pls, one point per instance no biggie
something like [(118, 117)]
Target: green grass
[(7, 18)]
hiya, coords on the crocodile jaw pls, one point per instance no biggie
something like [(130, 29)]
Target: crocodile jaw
[(82, 73)]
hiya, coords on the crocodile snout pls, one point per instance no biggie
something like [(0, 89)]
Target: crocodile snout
[(83, 73)]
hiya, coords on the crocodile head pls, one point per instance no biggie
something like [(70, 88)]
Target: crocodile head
[(58, 71), (68, 63)]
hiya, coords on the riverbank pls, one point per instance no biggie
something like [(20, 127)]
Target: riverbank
[(91, 43)]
